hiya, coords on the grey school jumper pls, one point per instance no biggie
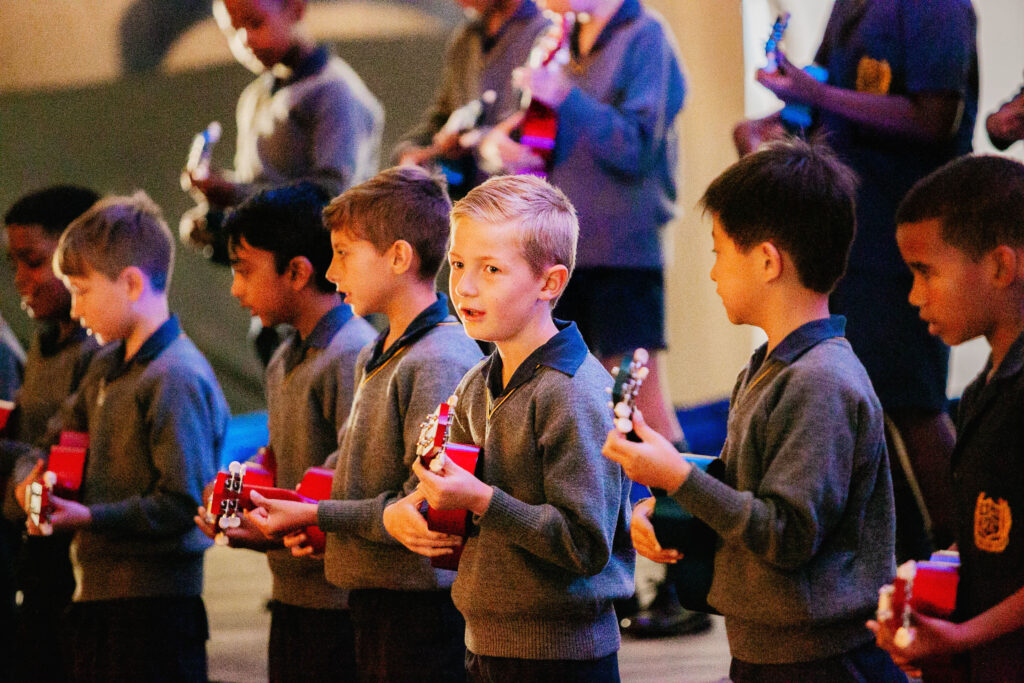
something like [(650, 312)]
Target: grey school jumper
[(309, 393), (53, 370), (553, 548), (397, 387), (806, 510), (156, 426), (322, 124)]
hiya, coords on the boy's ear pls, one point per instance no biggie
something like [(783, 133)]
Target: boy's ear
[(1009, 266), (555, 278), (300, 272), (135, 280), (771, 261), (402, 257)]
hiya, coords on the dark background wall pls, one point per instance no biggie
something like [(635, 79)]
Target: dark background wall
[(134, 133)]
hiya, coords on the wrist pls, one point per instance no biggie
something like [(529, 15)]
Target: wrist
[(482, 499)]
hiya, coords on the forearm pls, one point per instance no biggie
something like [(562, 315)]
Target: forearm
[(1006, 617), (363, 518), (926, 119)]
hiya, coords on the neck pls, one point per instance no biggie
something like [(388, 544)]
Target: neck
[(312, 310), (150, 315), (1002, 336), (515, 350), (404, 306), (792, 312), (65, 328), (495, 17), (598, 19)]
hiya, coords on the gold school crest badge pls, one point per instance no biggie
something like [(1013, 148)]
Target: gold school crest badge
[(874, 76), (992, 522)]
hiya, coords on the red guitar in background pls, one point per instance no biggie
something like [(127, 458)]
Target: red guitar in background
[(62, 478), (232, 492), (433, 448), (540, 122)]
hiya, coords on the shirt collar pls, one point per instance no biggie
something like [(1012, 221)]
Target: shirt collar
[(801, 339), (50, 342), (320, 338), (150, 349), (429, 317), (1012, 363), (316, 60), (564, 352), (526, 11), (628, 11)]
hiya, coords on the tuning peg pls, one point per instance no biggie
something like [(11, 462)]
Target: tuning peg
[(615, 370), (453, 400), (235, 467), (221, 539), (641, 356), (643, 372), (624, 425), (623, 410), (50, 478)]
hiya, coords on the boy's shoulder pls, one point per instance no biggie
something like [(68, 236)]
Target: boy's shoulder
[(445, 342), (353, 336)]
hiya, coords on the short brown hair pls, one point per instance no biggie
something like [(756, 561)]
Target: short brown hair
[(546, 219), (401, 203), (118, 233)]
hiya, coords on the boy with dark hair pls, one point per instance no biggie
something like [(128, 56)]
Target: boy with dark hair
[(960, 231), (156, 420), (805, 512), (550, 548), (280, 252), (57, 359), (388, 237)]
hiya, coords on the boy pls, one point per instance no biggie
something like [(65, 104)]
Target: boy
[(805, 513), (307, 116), (279, 255), (388, 237), (156, 419), (550, 551), (898, 103), (960, 233), (57, 359)]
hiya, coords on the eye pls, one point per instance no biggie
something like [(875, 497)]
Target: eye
[(492, 269), (457, 265)]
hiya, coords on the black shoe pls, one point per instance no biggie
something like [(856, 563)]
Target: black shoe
[(664, 617)]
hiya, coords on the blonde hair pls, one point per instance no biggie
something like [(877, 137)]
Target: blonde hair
[(544, 216), (117, 233)]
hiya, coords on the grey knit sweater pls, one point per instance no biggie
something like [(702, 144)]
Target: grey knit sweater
[(396, 389), (806, 510), (553, 548)]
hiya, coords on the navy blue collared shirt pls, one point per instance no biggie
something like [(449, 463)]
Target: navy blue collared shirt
[(429, 317), (564, 352), (321, 336), (800, 340), (150, 349)]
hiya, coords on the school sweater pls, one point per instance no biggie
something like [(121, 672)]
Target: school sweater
[(616, 148), (309, 386), (321, 124), (538, 576), (12, 362), (805, 513), (475, 63), (397, 388), (53, 369), (156, 425)]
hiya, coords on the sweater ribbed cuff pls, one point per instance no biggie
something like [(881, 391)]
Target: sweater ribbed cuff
[(511, 514)]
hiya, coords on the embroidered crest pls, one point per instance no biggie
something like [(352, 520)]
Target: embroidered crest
[(874, 76), (992, 522)]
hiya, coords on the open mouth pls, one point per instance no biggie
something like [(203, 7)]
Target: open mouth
[(471, 314)]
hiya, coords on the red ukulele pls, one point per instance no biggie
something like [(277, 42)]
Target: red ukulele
[(929, 588), (232, 496), (63, 478), (540, 122), (432, 448)]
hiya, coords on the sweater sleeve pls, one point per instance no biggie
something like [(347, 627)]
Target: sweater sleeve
[(626, 136), (574, 526), (184, 423), (806, 475), (417, 390)]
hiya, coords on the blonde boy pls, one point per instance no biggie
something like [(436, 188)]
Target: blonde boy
[(551, 552)]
